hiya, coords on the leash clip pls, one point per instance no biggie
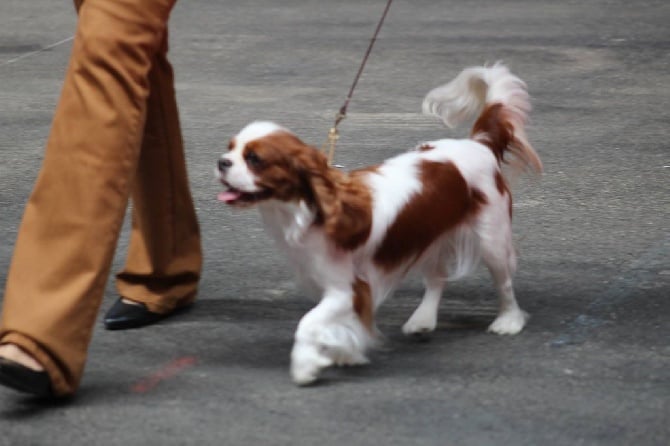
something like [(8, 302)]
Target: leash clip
[(333, 137)]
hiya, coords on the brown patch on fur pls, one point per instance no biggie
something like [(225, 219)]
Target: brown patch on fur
[(504, 189), (360, 172), (444, 202), (362, 302), (495, 128), (500, 183), (231, 144), (425, 147), (350, 223), (292, 170), (494, 123)]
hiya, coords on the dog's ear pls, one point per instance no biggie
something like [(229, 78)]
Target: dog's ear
[(343, 206), (322, 193)]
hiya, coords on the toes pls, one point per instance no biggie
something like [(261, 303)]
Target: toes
[(20, 356)]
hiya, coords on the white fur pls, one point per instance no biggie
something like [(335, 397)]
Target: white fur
[(239, 176), (331, 333), (464, 98)]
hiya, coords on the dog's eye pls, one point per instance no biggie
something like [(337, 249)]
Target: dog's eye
[(252, 159)]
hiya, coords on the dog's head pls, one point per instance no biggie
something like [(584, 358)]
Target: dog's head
[(268, 162)]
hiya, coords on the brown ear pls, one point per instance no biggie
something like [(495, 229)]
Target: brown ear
[(343, 203), (312, 166)]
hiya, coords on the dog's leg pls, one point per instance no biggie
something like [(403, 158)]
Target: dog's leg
[(332, 333), (511, 318), (424, 318), (499, 256)]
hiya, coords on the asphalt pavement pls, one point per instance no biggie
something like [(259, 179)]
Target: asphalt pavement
[(593, 233)]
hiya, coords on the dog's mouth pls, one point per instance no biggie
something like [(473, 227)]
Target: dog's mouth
[(234, 196)]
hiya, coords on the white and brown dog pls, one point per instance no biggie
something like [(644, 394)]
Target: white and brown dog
[(438, 210)]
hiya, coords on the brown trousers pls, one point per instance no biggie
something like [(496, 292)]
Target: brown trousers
[(115, 135)]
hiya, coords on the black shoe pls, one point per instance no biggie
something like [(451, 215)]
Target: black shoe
[(123, 316), (25, 379)]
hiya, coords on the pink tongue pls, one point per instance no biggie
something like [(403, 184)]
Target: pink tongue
[(228, 196)]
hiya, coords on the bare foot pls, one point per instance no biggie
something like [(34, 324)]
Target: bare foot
[(18, 355)]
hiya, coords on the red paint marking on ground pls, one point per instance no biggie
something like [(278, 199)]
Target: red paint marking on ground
[(166, 372)]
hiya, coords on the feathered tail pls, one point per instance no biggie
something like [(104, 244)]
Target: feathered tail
[(501, 104)]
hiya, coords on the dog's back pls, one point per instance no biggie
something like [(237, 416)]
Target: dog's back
[(436, 207)]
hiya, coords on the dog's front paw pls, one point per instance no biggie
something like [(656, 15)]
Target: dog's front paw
[(509, 323), (307, 361), (420, 324)]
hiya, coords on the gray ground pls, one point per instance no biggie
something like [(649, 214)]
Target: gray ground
[(593, 365)]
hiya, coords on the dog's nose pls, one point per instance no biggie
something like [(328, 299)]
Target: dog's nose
[(224, 164)]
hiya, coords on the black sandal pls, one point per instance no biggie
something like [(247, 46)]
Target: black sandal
[(25, 379)]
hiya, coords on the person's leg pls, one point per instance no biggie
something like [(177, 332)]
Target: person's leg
[(164, 257), (71, 223)]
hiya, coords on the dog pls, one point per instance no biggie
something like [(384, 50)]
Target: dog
[(437, 210)]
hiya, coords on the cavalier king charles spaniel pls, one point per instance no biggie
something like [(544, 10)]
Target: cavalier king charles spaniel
[(438, 210)]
